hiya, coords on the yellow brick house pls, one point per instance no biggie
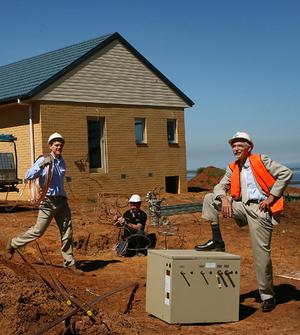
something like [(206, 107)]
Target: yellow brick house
[(122, 119)]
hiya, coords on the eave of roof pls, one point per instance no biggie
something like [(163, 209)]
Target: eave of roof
[(79, 57)]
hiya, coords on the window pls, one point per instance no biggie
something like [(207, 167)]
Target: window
[(140, 130), (97, 144), (172, 130)]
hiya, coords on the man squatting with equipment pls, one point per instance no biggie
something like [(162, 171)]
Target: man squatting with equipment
[(256, 184), (133, 220), (54, 205)]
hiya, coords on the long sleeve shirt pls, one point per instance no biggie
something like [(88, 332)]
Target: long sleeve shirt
[(56, 187)]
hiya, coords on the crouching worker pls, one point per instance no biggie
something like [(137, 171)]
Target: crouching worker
[(50, 171), (132, 239)]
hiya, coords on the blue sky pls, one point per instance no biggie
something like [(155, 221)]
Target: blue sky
[(237, 60)]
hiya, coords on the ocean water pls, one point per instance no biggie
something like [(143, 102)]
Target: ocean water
[(294, 167), (296, 177), (191, 174)]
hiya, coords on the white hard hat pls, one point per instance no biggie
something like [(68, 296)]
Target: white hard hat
[(55, 136), (240, 135), (135, 198)]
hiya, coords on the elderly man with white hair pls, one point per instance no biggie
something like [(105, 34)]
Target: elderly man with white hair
[(250, 192)]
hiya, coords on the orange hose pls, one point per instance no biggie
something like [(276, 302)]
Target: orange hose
[(38, 193)]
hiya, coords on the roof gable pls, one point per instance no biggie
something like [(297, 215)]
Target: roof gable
[(26, 78), (112, 76)]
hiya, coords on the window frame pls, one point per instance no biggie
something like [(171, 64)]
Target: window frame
[(102, 142), (143, 141), (175, 131)]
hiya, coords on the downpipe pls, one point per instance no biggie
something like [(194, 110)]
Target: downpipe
[(32, 153)]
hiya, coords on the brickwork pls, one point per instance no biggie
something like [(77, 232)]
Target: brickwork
[(124, 156), (131, 167), (15, 120)]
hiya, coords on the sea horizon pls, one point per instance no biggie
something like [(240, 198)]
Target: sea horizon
[(295, 167)]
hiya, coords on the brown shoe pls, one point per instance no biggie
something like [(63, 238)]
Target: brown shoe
[(75, 270), (9, 251)]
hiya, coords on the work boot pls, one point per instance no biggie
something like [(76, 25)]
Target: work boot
[(268, 305), (9, 251), (140, 254), (211, 245), (75, 270)]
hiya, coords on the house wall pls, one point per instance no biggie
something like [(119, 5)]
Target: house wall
[(14, 119), (124, 155)]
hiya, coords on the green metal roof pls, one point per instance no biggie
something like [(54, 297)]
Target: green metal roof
[(24, 79)]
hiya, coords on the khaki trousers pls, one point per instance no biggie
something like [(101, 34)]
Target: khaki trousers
[(57, 208), (260, 228)]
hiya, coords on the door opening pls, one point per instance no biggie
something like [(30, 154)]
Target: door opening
[(172, 183)]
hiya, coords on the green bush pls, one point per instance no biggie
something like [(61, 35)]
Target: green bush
[(199, 170), (211, 171)]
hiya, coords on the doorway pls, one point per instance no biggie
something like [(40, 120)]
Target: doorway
[(172, 184)]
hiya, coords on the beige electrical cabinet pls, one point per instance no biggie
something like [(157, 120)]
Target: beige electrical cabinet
[(188, 286)]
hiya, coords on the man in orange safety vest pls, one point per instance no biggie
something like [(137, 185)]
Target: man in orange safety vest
[(250, 192)]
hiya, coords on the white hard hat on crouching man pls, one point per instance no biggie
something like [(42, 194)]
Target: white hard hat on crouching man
[(49, 171), (251, 192)]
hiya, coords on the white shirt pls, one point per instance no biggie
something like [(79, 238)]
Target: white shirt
[(253, 192)]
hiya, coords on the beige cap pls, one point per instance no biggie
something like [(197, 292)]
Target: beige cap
[(55, 136), (240, 135)]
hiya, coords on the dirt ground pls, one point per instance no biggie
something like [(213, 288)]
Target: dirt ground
[(27, 304)]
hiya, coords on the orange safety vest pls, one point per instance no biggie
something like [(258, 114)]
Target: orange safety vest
[(262, 176)]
